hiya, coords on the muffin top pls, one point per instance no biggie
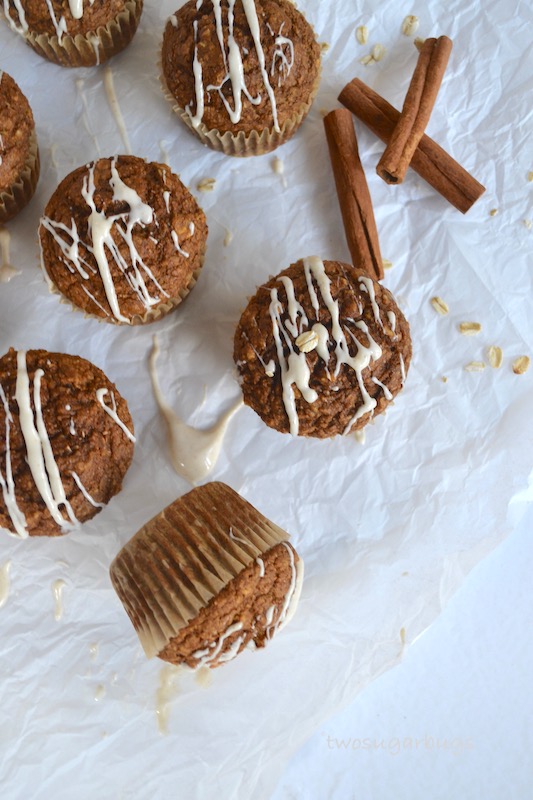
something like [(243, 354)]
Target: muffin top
[(16, 132), (240, 65), (321, 349), (66, 442), (122, 238), (60, 17)]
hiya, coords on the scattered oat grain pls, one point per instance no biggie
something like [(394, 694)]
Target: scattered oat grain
[(495, 356), (378, 51), (206, 185), (361, 34), (521, 365), (493, 212), (470, 328), (440, 306), (475, 366), (528, 223), (530, 176), (324, 47), (307, 341), (444, 379), (418, 43), (410, 25), (387, 264), (367, 60)]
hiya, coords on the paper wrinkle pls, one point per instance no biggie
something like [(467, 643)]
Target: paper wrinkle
[(429, 494)]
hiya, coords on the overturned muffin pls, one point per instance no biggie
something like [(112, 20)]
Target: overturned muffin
[(242, 75), (19, 154), (123, 240), (75, 33), (321, 349), (207, 577), (66, 442)]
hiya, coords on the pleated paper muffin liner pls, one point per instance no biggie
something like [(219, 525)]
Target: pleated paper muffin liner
[(241, 144), (180, 560), (93, 48), (19, 195)]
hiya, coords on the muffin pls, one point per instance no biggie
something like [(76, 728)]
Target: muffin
[(19, 155), (66, 442), (241, 75), (123, 240), (321, 349), (75, 33), (206, 578)]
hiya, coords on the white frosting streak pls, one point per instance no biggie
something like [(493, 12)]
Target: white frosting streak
[(112, 411), (6, 483), (4, 583), (115, 107)]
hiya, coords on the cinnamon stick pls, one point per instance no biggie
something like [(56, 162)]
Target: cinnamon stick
[(352, 190), (430, 161), (416, 111)]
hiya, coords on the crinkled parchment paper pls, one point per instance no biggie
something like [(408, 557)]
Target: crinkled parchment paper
[(388, 530)]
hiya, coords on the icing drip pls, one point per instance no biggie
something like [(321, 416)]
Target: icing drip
[(8, 486), (294, 367), (100, 233), (115, 107), (76, 8), (291, 598), (282, 62), (7, 271), (112, 411), (40, 456), (367, 285), (4, 583), (61, 25), (392, 320), (57, 592), (386, 392), (85, 493), (194, 452), (22, 26)]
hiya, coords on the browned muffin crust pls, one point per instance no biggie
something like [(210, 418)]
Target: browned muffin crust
[(171, 246), (19, 163), (105, 28), (291, 92), (251, 603), (339, 396), (85, 440)]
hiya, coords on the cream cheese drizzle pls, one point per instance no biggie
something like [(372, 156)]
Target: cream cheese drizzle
[(5, 583), (22, 27), (208, 655), (84, 491), (193, 452), (60, 25), (100, 231), (292, 597), (166, 692), (232, 59), (112, 99), (7, 271), (57, 593), (386, 391), (112, 411), (40, 457), (6, 483), (294, 367)]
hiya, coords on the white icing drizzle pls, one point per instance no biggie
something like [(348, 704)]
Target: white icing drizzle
[(84, 491), (166, 692), (22, 27), (60, 25), (80, 83), (112, 411), (100, 231), (173, 19), (294, 367), (177, 244), (166, 198), (360, 436), (367, 285), (115, 107), (40, 456), (293, 593), (279, 169), (5, 583), (386, 391), (261, 565), (193, 452), (7, 271), (1, 137), (206, 656), (8, 486), (392, 320), (57, 592), (232, 58), (76, 8), (238, 538), (402, 369)]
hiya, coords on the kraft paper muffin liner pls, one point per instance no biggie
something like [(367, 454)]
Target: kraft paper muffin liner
[(19, 195), (184, 557), (152, 315), (241, 144), (92, 48)]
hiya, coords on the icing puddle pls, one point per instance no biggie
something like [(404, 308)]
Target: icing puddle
[(193, 452), (5, 583), (7, 271), (167, 691), (57, 591)]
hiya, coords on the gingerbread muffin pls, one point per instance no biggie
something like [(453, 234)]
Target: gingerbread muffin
[(66, 442), (75, 33), (207, 577), (19, 154), (122, 240), (321, 349), (242, 75)]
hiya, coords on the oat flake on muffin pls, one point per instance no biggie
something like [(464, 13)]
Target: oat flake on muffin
[(321, 349), (122, 240)]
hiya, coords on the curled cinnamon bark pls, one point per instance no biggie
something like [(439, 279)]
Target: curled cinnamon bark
[(430, 161), (352, 190), (416, 111)]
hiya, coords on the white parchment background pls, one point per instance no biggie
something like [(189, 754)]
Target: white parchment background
[(389, 530)]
